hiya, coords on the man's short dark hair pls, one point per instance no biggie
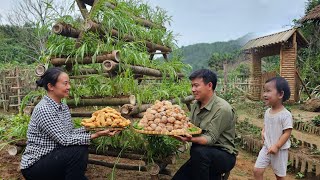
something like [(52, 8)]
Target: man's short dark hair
[(281, 85), (207, 76)]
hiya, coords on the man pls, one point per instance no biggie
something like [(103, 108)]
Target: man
[(213, 152)]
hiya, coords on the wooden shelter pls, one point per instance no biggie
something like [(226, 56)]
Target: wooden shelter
[(313, 15), (285, 44)]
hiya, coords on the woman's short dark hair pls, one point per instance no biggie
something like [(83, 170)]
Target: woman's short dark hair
[(281, 86), (50, 76), (207, 76)]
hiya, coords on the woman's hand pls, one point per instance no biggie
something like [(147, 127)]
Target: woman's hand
[(104, 133)]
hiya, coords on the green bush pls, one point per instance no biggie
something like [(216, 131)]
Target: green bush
[(316, 120)]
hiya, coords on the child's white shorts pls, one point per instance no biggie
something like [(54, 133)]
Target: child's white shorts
[(278, 161)]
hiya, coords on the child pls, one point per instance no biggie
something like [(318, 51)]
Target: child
[(276, 131)]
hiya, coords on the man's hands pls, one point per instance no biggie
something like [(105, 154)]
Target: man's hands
[(104, 133), (185, 138)]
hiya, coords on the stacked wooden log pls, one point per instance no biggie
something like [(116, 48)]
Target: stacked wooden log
[(110, 60), (139, 110)]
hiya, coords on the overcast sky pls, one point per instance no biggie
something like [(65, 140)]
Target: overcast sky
[(220, 20)]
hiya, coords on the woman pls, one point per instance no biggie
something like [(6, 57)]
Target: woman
[(55, 150)]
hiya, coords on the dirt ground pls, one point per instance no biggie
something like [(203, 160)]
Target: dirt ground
[(297, 115), (9, 169), (9, 165)]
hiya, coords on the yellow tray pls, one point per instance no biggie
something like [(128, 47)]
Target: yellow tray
[(105, 128), (198, 131)]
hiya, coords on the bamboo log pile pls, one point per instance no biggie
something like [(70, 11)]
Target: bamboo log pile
[(138, 20), (132, 110), (128, 110), (112, 67), (114, 56), (154, 169), (65, 29), (68, 31), (106, 101), (95, 27)]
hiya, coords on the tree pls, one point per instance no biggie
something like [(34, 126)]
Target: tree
[(33, 20), (218, 59), (309, 59), (10, 47)]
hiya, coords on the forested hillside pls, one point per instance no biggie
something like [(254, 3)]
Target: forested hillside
[(197, 55)]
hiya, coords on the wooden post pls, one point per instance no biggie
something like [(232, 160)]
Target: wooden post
[(225, 77), (303, 84), (255, 77), (83, 9), (19, 87), (5, 94), (288, 56)]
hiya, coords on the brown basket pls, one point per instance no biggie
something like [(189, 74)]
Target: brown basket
[(105, 128), (169, 133)]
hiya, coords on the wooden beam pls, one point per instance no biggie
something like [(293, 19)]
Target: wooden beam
[(303, 84), (95, 27), (106, 101), (65, 29), (114, 55), (111, 66), (83, 9)]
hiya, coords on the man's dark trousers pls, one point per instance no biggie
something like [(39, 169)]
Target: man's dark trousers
[(67, 163), (206, 163)]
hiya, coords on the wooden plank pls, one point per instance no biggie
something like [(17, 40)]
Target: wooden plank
[(289, 67), (16, 87), (21, 95), (14, 105), (303, 84)]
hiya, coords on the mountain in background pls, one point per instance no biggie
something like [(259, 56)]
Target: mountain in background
[(197, 55)]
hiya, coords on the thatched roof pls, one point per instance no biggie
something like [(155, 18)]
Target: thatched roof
[(276, 38), (314, 14)]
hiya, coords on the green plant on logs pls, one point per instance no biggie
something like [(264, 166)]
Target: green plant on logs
[(111, 66), (114, 55), (95, 27)]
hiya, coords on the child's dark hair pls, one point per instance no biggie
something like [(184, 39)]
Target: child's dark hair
[(50, 76), (207, 76), (281, 86)]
